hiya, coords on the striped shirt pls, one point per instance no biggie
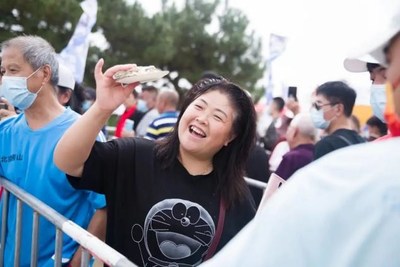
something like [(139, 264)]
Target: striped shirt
[(162, 125)]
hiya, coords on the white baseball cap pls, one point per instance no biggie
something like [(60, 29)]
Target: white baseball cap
[(389, 26), (65, 77), (359, 64)]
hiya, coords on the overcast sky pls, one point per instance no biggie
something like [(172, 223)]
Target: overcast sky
[(320, 35)]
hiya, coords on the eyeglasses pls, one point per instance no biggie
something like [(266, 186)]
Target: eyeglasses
[(318, 106)]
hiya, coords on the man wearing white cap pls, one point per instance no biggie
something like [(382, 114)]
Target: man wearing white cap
[(377, 74), (66, 84), (342, 210)]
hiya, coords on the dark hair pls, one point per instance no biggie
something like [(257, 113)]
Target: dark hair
[(229, 163), (372, 66), (376, 122), (338, 92), (89, 93), (135, 94), (280, 103), (76, 99), (150, 89), (356, 122)]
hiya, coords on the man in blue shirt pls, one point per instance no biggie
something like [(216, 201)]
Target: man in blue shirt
[(167, 102), (29, 72)]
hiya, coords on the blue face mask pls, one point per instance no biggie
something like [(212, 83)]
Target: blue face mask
[(141, 105), (378, 100), (15, 90), (86, 105), (317, 117)]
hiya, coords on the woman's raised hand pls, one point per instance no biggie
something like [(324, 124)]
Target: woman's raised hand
[(109, 93)]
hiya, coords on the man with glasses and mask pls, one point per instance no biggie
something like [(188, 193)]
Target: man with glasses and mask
[(331, 111)]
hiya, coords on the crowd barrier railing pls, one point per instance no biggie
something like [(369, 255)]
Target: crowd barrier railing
[(255, 183), (90, 244)]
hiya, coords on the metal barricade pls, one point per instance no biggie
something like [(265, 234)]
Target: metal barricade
[(89, 242), (255, 183)]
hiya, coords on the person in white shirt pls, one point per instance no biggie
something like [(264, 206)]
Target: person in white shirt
[(341, 210)]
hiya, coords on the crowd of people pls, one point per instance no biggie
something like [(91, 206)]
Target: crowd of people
[(168, 187)]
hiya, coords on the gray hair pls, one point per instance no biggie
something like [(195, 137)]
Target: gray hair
[(37, 52), (303, 122)]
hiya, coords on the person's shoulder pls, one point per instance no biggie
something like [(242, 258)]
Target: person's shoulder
[(258, 152), (323, 175), (165, 119), (69, 114), (326, 141), (362, 156), (345, 133), (290, 155), (350, 135), (11, 122), (143, 142), (383, 138)]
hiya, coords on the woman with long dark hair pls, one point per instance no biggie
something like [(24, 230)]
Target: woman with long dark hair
[(179, 200)]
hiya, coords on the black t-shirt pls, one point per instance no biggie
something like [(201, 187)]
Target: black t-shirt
[(136, 117), (156, 216), (257, 167), (338, 139)]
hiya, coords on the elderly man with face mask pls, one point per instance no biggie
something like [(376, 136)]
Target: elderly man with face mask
[(342, 210), (29, 72)]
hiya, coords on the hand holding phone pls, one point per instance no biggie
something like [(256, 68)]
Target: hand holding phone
[(3, 106), (292, 92), (6, 110)]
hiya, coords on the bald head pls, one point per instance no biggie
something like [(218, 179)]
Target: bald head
[(167, 100)]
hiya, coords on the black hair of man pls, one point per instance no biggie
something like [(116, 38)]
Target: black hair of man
[(372, 66), (89, 93), (135, 94), (150, 89), (280, 103), (338, 92), (356, 122), (375, 122)]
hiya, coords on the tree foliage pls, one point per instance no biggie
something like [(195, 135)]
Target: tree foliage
[(51, 19), (200, 36)]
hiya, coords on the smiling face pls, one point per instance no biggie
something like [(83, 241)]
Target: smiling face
[(207, 125)]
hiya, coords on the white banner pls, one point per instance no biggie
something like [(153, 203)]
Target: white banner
[(75, 53), (277, 45)]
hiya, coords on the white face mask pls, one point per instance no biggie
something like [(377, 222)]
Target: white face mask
[(141, 105), (15, 90), (317, 117), (378, 100)]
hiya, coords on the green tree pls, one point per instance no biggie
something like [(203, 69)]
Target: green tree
[(200, 36), (51, 19), (181, 40)]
